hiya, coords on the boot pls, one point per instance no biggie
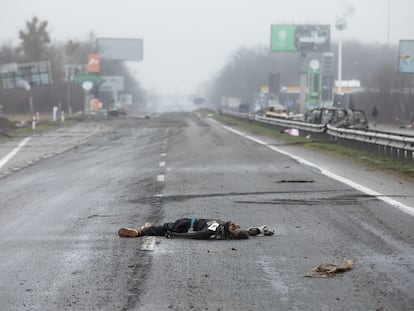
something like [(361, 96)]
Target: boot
[(133, 232)]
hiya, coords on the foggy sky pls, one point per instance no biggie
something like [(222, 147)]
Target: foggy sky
[(186, 42)]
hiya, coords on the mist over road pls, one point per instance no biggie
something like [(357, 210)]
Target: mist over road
[(59, 218)]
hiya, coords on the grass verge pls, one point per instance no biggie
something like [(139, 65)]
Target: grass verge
[(369, 159)]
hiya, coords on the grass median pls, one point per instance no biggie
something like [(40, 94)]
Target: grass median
[(22, 125)]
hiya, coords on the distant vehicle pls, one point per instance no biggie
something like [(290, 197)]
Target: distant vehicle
[(338, 117), (116, 111), (349, 100)]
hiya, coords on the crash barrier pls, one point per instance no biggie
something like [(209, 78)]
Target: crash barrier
[(281, 122), (396, 146), (309, 127), (393, 145)]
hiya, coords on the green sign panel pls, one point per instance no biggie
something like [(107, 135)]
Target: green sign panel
[(283, 38), (300, 38), (95, 79), (314, 83)]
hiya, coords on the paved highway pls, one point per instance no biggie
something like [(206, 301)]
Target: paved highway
[(59, 216)]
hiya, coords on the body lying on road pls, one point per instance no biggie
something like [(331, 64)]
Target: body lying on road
[(194, 228)]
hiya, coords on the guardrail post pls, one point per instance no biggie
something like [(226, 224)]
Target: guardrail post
[(401, 154), (409, 157), (394, 153), (387, 151), (380, 149)]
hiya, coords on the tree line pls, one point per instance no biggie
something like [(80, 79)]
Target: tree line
[(36, 45), (245, 72)]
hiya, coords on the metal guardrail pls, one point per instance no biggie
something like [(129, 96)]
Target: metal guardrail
[(317, 128), (390, 144), (282, 122)]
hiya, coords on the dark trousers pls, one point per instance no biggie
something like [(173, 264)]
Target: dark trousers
[(179, 226)]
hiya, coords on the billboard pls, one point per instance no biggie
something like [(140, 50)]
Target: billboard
[(120, 49), (300, 38), (26, 74), (406, 56)]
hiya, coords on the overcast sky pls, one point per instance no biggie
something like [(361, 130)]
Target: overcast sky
[(186, 42)]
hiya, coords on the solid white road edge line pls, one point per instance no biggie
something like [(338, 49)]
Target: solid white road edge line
[(401, 206), (14, 151)]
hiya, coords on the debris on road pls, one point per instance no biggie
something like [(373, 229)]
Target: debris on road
[(6, 124), (326, 270), (292, 132)]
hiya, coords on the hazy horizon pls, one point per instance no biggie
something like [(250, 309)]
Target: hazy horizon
[(187, 42)]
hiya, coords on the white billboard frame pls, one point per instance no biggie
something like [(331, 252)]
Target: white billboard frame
[(120, 49)]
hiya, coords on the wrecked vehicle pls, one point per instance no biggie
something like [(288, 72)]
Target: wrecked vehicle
[(338, 117), (277, 111), (280, 111)]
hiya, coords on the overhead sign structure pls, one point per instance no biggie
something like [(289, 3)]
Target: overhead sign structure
[(300, 38), (19, 75), (120, 49), (406, 56)]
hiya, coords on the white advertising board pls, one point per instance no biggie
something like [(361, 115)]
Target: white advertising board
[(120, 49)]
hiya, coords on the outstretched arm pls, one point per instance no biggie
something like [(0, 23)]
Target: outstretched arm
[(260, 231)]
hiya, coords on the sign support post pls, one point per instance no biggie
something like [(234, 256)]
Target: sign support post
[(302, 82)]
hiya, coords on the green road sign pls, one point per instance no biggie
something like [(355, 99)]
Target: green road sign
[(300, 38), (95, 79), (283, 38)]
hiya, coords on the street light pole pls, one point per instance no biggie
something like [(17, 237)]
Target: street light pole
[(340, 24), (389, 23), (340, 65)]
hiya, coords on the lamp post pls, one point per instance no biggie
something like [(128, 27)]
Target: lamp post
[(340, 25)]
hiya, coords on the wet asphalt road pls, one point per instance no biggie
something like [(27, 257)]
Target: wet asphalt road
[(59, 216)]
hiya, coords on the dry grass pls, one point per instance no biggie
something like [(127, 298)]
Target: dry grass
[(44, 117)]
